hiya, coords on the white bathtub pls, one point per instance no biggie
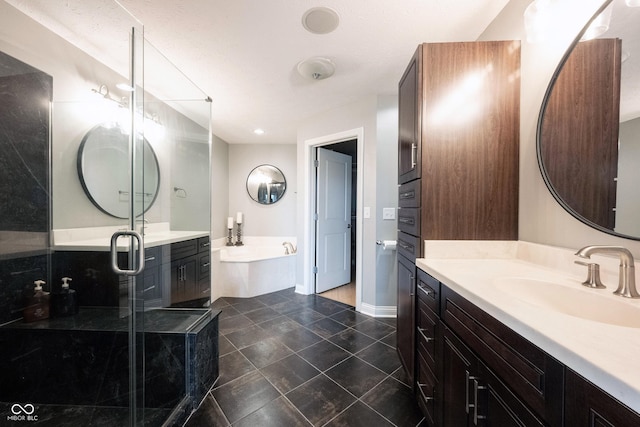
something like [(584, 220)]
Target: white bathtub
[(251, 270)]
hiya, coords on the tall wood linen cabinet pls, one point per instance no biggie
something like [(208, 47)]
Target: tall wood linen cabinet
[(459, 117)]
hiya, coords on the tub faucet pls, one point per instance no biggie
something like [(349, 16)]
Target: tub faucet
[(288, 248), (627, 277)]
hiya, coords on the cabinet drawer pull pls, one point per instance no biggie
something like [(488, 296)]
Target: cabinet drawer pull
[(149, 288), (426, 291), (405, 246), (426, 338), (204, 245), (414, 149), (206, 264), (468, 405), (405, 220), (424, 396), (408, 195), (476, 387), (151, 258)]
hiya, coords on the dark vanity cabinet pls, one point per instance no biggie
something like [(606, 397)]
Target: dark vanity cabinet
[(588, 405), (175, 273), (190, 263), (457, 172), (405, 332), (472, 370)]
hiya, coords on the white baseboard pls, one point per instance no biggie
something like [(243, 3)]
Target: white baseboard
[(301, 289), (378, 311)]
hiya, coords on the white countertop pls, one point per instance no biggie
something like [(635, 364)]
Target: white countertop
[(99, 238), (605, 354)]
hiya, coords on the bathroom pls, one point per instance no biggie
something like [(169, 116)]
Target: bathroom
[(541, 219)]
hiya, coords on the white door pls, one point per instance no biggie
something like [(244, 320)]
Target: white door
[(333, 226)]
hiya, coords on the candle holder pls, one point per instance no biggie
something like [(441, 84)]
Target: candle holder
[(239, 235), (230, 237)]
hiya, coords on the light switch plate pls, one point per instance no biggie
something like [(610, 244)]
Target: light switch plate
[(367, 212), (388, 213)]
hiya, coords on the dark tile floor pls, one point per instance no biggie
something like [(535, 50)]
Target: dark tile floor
[(300, 360)]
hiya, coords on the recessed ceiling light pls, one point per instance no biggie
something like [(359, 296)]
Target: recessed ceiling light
[(320, 20), (258, 131)]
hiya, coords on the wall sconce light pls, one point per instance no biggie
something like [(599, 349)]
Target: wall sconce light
[(316, 68)]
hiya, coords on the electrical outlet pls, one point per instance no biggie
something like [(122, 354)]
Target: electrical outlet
[(388, 213)]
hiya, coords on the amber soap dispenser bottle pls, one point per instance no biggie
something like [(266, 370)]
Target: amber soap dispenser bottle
[(37, 305)]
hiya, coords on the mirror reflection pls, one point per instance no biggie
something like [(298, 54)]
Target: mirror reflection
[(266, 184), (589, 127), (103, 164)]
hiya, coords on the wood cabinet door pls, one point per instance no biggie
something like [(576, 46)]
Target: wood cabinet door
[(459, 365), (588, 406), (409, 149), (405, 328)]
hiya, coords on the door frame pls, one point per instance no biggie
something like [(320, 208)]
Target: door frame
[(310, 201)]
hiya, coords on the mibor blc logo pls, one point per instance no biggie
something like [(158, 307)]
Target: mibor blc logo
[(22, 412)]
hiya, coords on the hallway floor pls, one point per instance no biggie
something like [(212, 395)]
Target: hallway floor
[(302, 360)]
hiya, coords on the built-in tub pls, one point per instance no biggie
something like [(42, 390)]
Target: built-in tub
[(251, 270)]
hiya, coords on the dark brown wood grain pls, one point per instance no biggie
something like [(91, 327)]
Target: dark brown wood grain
[(579, 134), (470, 140)]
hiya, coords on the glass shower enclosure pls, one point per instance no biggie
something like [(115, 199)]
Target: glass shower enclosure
[(105, 150)]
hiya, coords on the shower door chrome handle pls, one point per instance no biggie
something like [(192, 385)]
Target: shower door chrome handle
[(114, 252)]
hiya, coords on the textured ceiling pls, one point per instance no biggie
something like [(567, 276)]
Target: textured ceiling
[(243, 53)]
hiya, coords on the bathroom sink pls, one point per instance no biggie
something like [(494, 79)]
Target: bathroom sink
[(578, 301)]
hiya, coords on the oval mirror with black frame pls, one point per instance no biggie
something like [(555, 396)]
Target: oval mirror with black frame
[(103, 164), (588, 136), (266, 184)]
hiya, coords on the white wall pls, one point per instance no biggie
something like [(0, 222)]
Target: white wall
[(219, 188), (278, 219), (376, 116), (628, 202), (541, 219), (386, 197)]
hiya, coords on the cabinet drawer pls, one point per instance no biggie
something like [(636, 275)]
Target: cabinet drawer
[(184, 249), (409, 194), (409, 220), (409, 246), (427, 331), (152, 257), (530, 372), (426, 389), (428, 291), (204, 243), (204, 265)]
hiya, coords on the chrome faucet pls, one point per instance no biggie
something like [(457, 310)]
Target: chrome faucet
[(288, 248), (627, 278), (143, 225)]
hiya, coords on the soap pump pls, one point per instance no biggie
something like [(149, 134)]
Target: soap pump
[(65, 302), (37, 305)]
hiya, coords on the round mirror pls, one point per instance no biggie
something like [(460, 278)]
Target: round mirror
[(103, 165), (589, 127), (266, 184)]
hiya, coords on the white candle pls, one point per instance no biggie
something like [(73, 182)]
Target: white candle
[(230, 222), (239, 218)]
